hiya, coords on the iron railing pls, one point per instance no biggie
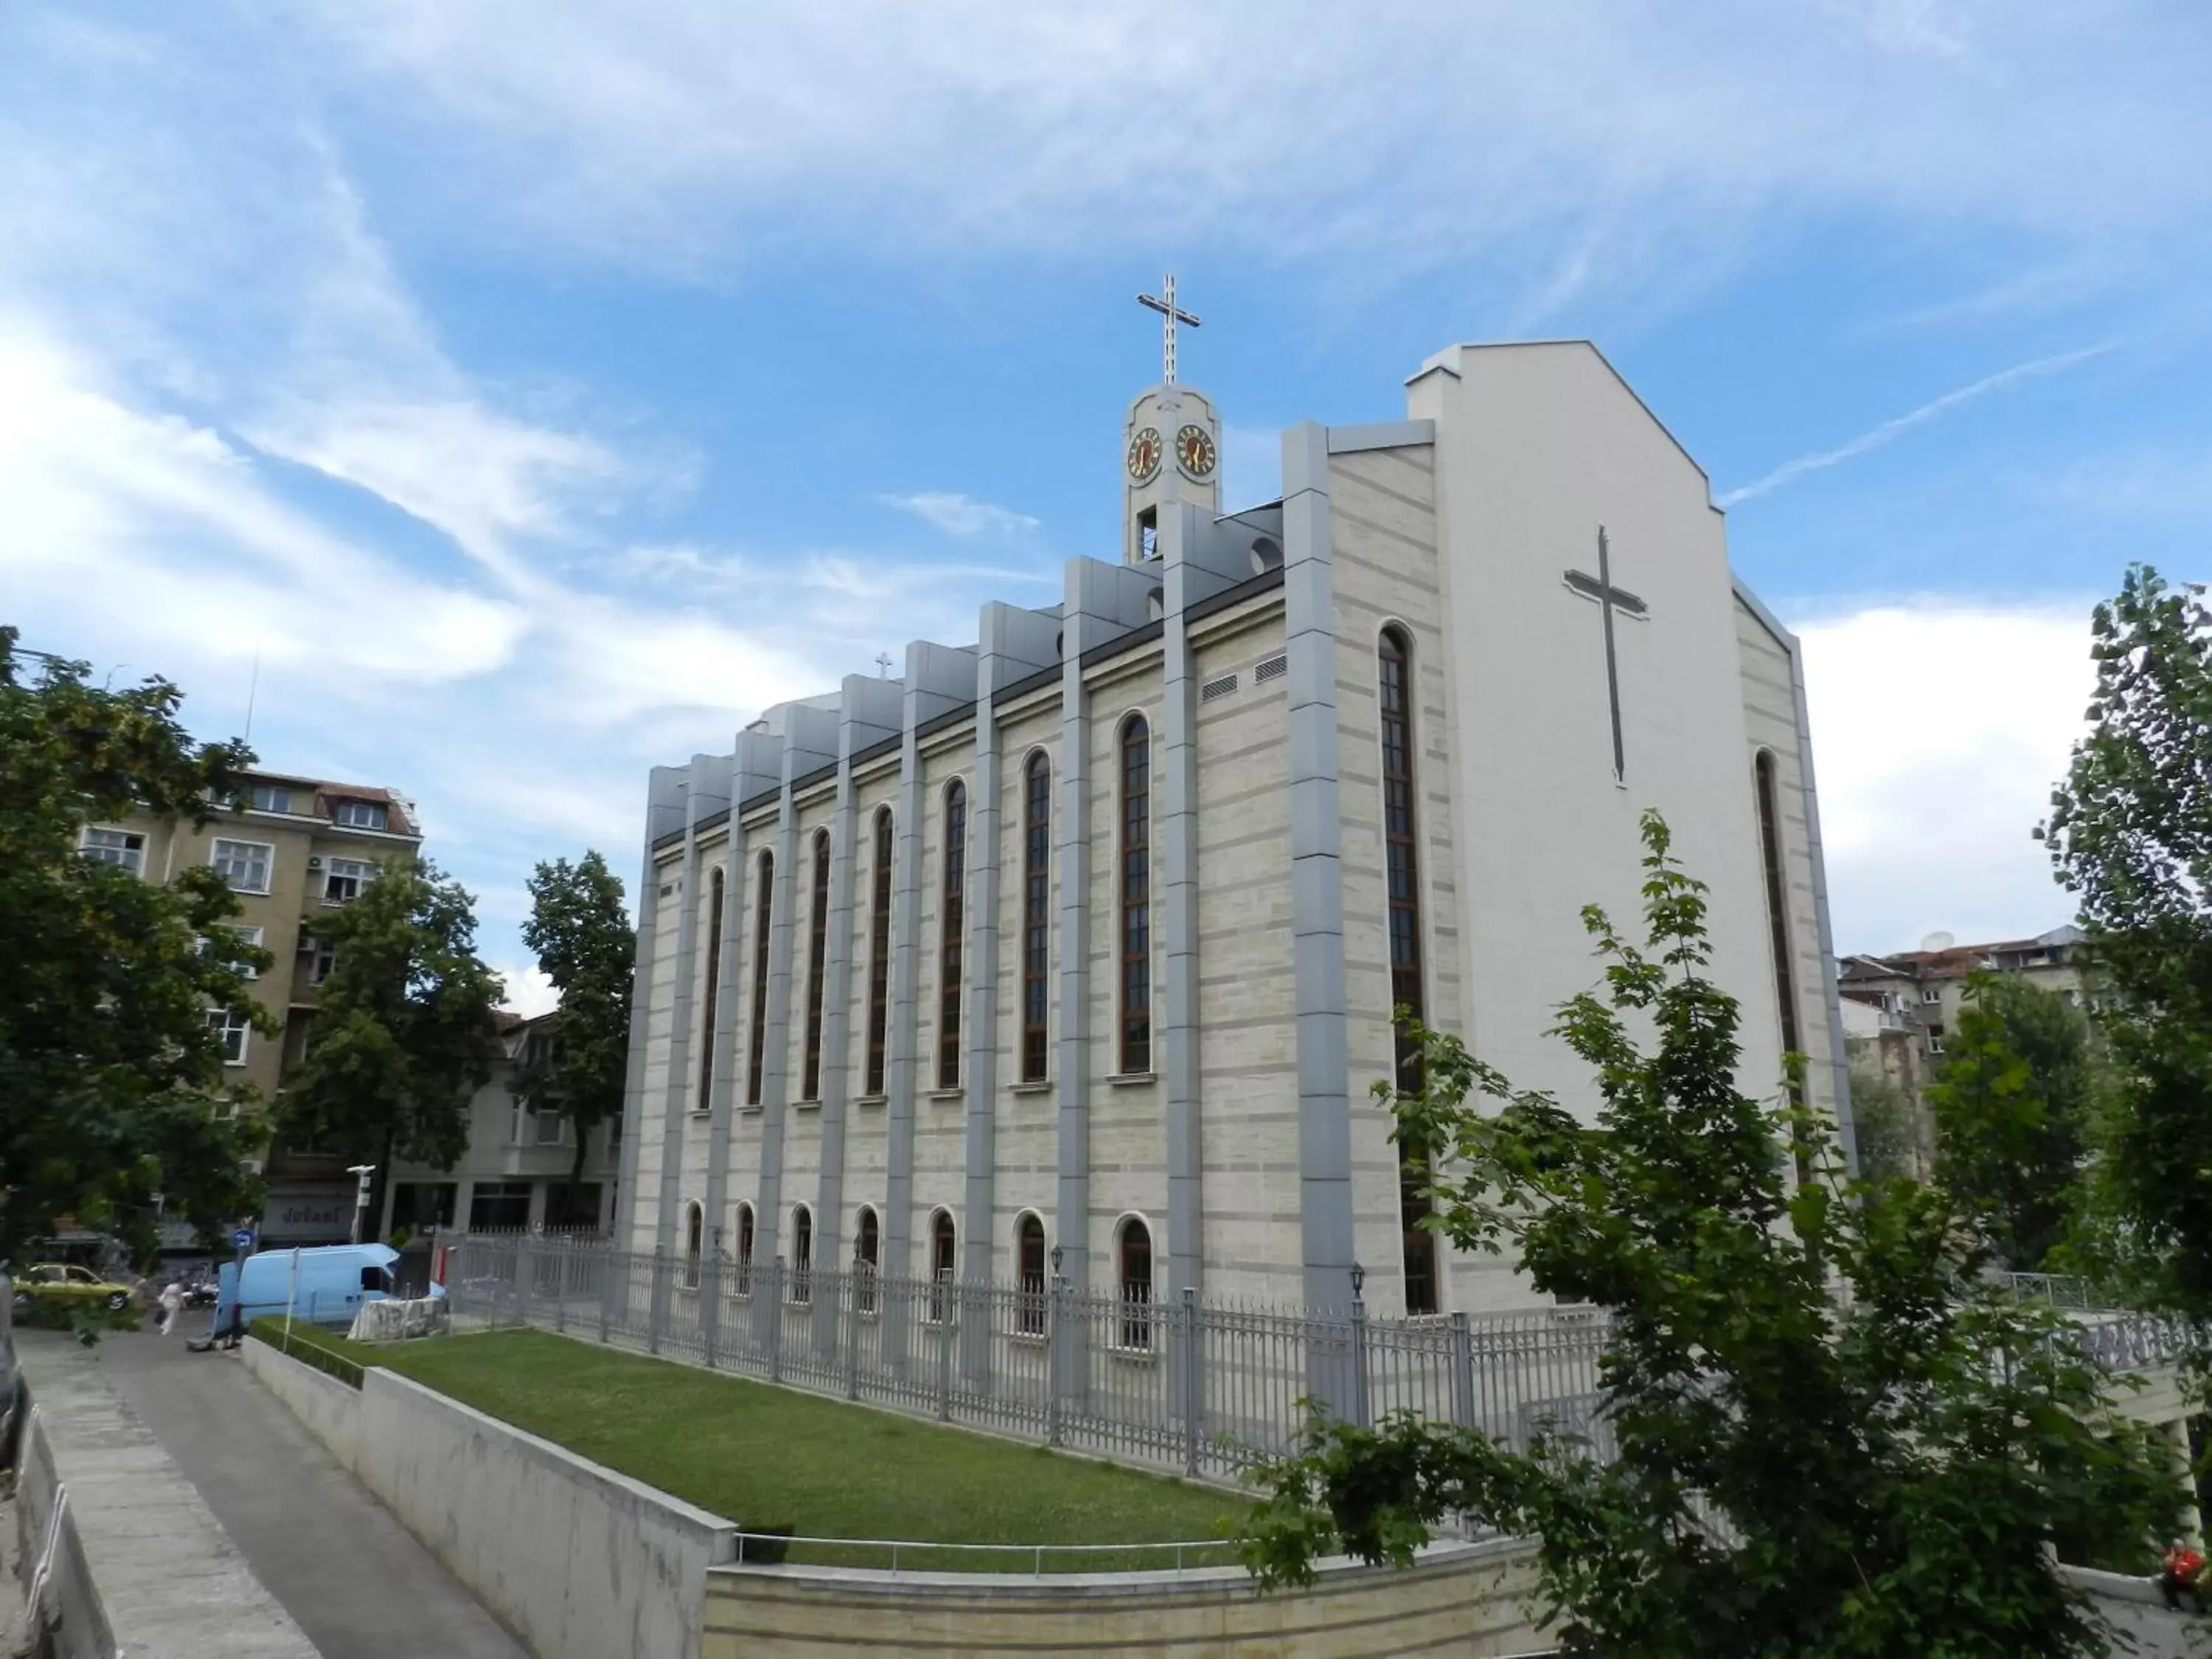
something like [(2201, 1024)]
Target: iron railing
[(1209, 1388), (1205, 1387)]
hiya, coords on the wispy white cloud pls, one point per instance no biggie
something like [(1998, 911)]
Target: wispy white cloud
[(1938, 730), (961, 515), (1890, 430), (1587, 142)]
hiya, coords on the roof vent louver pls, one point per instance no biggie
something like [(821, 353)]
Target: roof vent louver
[(1214, 691), (1272, 669)]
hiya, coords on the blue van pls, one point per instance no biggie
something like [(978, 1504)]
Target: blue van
[(324, 1286)]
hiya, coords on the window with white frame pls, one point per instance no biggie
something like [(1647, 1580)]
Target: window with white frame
[(225, 938), (548, 1128), (324, 962), (343, 878), (1931, 993), (243, 864), (362, 815), (233, 1029), (125, 847), (271, 798)]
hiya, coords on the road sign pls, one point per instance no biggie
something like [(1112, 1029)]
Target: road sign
[(242, 1239)]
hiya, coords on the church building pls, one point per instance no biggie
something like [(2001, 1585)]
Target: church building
[(1079, 943)]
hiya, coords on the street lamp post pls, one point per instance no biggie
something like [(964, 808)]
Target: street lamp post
[(361, 1174)]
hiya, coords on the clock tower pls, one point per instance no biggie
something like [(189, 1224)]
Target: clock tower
[(1170, 444)]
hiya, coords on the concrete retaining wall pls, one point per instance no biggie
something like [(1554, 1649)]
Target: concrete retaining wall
[(579, 1562), (140, 1565), (1463, 1600)]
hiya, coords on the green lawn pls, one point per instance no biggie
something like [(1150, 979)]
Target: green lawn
[(769, 1456)]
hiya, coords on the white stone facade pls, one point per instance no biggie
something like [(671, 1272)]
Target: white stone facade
[(1248, 1146)]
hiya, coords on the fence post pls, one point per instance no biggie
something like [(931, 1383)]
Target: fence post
[(525, 1272), (774, 1317), (561, 1259), (852, 1326), (608, 1261), (710, 1306), (1193, 1398), (1053, 1365), (1462, 1375), (1359, 1412), (656, 1302), (945, 1307)]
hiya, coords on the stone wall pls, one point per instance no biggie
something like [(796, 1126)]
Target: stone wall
[(579, 1562), (1463, 1600)]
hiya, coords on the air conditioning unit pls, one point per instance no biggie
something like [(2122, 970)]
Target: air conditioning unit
[(315, 861)]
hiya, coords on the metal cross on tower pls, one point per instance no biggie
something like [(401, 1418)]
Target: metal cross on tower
[(882, 665), (1609, 599), (1170, 316)]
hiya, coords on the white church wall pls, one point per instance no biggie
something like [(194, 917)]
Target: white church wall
[(1027, 1154), (1770, 716), (1247, 1059), (1127, 1148), (644, 1199), (1383, 525), (940, 1114), (1537, 447)]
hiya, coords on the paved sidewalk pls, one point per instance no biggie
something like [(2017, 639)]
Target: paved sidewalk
[(351, 1575)]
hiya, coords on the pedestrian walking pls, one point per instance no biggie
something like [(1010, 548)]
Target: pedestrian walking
[(173, 1303)]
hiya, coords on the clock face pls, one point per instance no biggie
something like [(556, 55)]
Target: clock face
[(1194, 449), (1145, 454)]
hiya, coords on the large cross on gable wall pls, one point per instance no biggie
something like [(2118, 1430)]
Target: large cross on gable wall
[(1609, 600)]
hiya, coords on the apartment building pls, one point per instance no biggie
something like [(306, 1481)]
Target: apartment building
[(291, 847), (1899, 1009), (516, 1172)]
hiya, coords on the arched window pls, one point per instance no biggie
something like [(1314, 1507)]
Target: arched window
[(694, 1230), (1133, 1253), (1136, 896), (802, 1255), (943, 1241), (1037, 912), (817, 949), (952, 921), (764, 880), (880, 951), (1028, 1257), (714, 986), (1400, 831), (744, 1249), (1777, 920), (866, 1244)]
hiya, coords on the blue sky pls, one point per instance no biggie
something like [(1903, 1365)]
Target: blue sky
[(536, 389)]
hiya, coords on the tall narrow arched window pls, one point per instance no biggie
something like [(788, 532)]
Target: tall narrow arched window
[(1777, 920), (1401, 859), (952, 921), (1135, 947), (744, 1249), (695, 1230), (1029, 1260), (802, 1255), (1132, 1252), (880, 951), (944, 1240), (818, 950), (757, 1042), (1037, 912), (713, 987), (866, 1249)]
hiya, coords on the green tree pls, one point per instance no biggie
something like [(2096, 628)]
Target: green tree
[(1884, 1128), (2131, 836), (404, 1034), (586, 947), (2012, 1103), (110, 1079), (1797, 1473)]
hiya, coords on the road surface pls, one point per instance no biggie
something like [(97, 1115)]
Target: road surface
[(353, 1577)]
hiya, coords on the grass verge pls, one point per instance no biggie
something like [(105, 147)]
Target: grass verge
[(311, 1345), (770, 1457)]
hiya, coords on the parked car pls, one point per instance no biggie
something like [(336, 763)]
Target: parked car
[(55, 1281), (326, 1286)]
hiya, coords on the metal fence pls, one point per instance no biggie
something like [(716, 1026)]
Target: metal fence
[(1205, 1387)]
